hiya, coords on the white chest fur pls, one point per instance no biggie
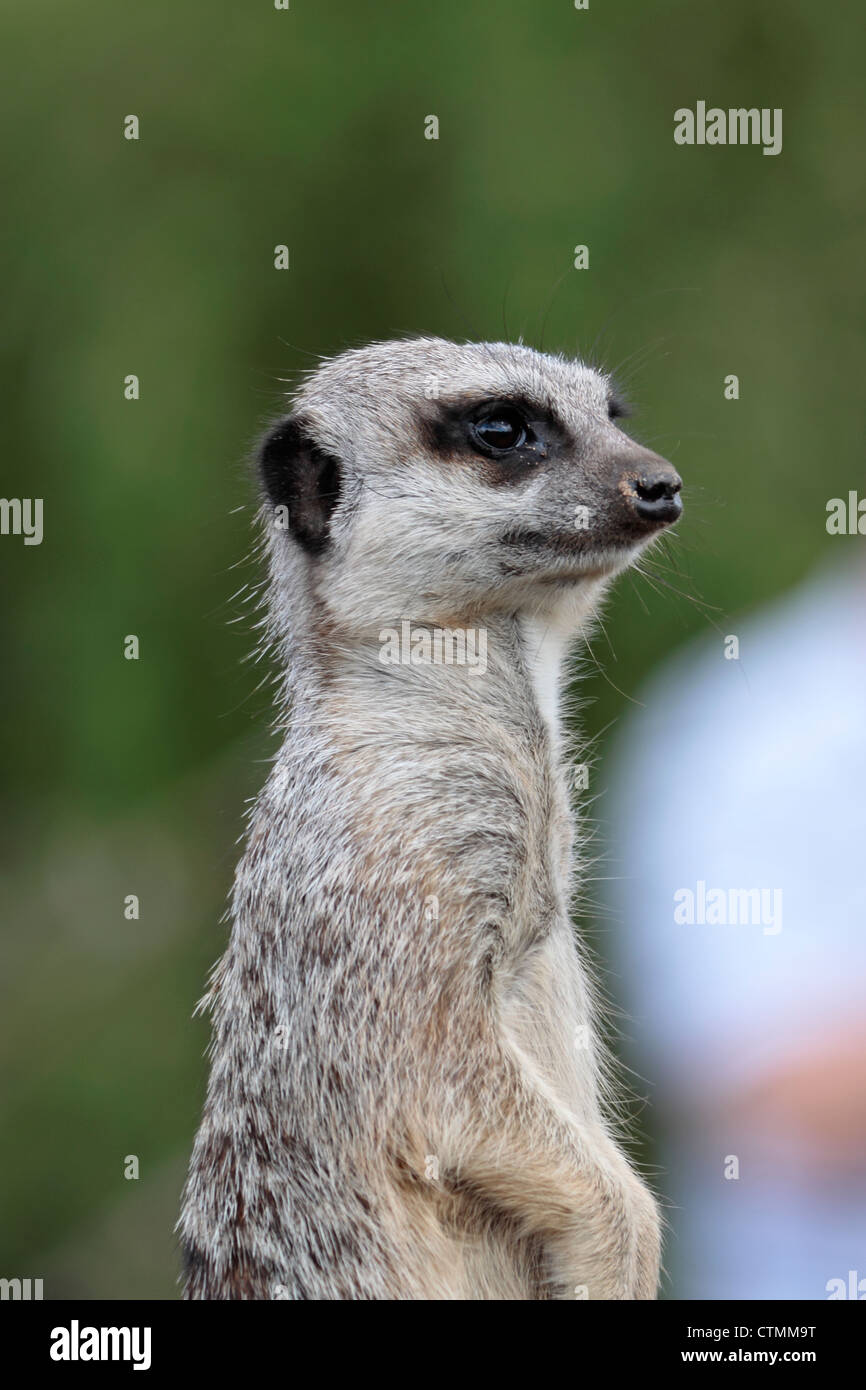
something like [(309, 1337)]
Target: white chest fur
[(544, 648)]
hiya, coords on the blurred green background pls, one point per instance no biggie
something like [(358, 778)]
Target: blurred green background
[(155, 257)]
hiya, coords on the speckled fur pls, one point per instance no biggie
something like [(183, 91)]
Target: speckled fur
[(401, 1102)]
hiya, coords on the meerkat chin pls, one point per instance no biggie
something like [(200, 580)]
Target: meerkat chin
[(406, 1090)]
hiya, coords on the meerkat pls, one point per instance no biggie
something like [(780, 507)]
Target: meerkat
[(406, 1096)]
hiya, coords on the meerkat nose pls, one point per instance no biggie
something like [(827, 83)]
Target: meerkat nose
[(654, 495)]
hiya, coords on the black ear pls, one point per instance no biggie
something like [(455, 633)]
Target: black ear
[(301, 477)]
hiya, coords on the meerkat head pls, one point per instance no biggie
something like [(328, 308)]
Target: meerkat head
[(433, 480)]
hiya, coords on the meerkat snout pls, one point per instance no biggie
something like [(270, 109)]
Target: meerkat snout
[(655, 496)]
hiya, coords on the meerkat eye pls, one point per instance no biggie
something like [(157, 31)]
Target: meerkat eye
[(500, 430)]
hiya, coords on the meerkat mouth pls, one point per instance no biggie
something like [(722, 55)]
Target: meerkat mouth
[(564, 562), (587, 574)]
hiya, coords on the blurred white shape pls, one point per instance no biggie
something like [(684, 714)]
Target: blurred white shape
[(752, 774)]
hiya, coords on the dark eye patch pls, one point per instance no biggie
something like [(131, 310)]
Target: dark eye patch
[(514, 435)]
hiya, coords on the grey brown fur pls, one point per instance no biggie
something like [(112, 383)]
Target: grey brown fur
[(406, 1096)]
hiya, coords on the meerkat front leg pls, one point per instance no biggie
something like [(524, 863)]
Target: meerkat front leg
[(565, 1182)]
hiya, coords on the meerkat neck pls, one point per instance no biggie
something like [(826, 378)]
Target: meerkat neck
[(416, 681), (545, 648), (548, 638)]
